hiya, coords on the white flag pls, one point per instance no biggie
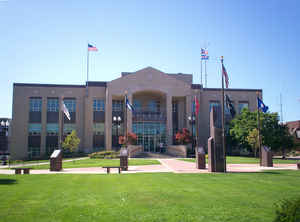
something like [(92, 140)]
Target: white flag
[(66, 111)]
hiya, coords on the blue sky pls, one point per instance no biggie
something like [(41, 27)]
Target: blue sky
[(45, 42)]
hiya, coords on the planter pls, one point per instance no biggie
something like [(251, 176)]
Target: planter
[(177, 150)]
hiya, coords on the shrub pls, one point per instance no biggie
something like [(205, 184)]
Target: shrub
[(104, 155), (288, 210), (183, 136)]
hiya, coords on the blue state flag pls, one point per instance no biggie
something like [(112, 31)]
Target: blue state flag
[(261, 105), (129, 105)]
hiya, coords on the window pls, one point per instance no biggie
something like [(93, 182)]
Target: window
[(214, 104), (98, 105), (70, 104), (33, 152), (243, 105), (154, 106), (175, 107), (298, 134), (137, 105), (218, 120), (98, 128), (34, 128), (35, 104), (68, 128), (117, 105), (52, 129), (52, 105)]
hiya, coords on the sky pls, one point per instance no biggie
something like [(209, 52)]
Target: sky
[(46, 42)]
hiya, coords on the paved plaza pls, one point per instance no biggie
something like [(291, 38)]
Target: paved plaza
[(167, 165)]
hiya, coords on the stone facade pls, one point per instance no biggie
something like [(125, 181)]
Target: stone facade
[(163, 103)]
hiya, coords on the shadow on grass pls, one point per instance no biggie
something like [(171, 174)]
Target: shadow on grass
[(8, 181), (262, 172)]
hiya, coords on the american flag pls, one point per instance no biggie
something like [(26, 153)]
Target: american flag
[(224, 72), (204, 54), (92, 48), (66, 111)]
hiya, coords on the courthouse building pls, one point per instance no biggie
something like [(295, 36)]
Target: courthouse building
[(162, 103)]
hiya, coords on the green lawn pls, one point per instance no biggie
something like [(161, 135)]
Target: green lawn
[(99, 162), (238, 159), (236, 197)]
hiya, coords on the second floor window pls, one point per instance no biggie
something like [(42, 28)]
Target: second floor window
[(154, 106), (243, 105), (35, 104), (70, 104), (117, 105), (98, 105), (52, 105)]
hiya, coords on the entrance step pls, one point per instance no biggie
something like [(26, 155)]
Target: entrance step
[(153, 155)]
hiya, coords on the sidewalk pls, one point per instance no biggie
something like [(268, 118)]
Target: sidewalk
[(38, 163), (167, 165)]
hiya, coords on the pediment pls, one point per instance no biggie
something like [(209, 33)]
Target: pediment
[(148, 78)]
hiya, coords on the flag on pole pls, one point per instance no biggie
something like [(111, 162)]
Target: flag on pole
[(224, 72), (128, 104), (261, 105), (66, 111), (230, 106), (197, 105), (204, 54), (92, 48)]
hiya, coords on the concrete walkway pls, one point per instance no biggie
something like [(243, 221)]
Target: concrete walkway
[(167, 165), (38, 163)]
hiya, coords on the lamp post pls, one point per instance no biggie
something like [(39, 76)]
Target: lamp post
[(4, 129), (192, 121), (117, 120)]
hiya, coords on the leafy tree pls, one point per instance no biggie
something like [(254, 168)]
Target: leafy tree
[(253, 140), (273, 134), (71, 142)]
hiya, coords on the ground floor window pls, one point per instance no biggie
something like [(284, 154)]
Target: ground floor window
[(34, 152), (150, 135)]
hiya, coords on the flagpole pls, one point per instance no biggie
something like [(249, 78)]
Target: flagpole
[(196, 123), (125, 106), (258, 131), (87, 71), (223, 119), (62, 124), (205, 74), (201, 73)]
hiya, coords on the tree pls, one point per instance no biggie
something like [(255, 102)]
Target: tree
[(71, 142), (252, 139), (274, 135)]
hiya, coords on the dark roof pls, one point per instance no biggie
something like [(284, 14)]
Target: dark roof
[(97, 83), (196, 86), (219, 89), (48, 85)]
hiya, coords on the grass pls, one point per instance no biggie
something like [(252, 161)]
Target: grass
[(238, 159), (98, 163), (236, 197)]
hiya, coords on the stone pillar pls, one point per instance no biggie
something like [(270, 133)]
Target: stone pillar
[(88, 124), (108, 119), (169, 127), (188, 108), (44, 126)]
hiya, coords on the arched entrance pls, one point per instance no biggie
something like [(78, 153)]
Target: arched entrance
[(149, 119)]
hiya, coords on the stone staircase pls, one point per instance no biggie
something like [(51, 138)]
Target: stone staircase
[(153, 155)]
